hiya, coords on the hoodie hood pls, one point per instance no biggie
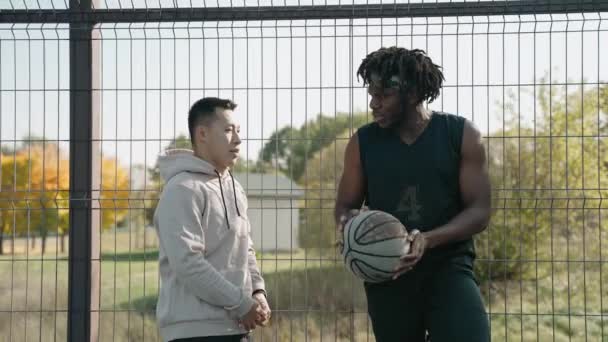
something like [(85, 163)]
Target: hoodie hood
[(175, 161)]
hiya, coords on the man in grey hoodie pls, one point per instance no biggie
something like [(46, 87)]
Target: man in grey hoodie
[(211, 287)]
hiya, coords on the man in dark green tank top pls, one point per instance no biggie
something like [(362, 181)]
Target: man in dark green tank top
[(429, 170)]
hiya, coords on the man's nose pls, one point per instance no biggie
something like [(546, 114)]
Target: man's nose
[(374, 103)]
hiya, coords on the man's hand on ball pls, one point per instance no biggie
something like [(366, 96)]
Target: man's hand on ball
[(418, 245), (349, 215)]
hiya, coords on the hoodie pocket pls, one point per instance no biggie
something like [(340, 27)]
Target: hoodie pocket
[(185, 307)]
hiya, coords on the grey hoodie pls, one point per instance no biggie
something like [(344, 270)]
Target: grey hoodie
[(207, 263)]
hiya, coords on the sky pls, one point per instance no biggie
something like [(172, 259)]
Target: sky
[(281, 72)]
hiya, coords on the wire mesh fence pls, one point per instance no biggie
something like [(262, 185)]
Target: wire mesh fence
[(92, 92)]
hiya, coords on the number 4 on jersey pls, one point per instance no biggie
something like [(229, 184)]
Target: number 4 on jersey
[(409, 203)]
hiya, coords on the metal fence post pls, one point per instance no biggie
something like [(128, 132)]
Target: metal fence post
[(83, 286)]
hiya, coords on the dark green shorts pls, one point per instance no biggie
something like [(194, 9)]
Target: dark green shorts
[(441, 299)]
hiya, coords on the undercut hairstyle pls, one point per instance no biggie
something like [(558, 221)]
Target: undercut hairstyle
[(203, 110), (416, 71)]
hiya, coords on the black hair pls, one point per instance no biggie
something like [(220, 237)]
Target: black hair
[(414, 68), (204, 109)]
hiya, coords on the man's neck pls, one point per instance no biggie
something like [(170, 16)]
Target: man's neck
[(414, 119), (202, 155)]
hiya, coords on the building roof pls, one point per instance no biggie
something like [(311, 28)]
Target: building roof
[(269, 185)]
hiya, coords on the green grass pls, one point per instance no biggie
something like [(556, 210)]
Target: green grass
[(312, 296)]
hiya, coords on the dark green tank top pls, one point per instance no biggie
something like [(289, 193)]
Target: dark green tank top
[(417, 183)]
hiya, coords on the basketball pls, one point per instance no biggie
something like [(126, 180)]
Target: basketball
[(372, 243)]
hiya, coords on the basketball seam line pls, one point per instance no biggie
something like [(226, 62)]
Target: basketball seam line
[(375, 226), (359, 226), (376, 255), (382, 240), (367, 275)]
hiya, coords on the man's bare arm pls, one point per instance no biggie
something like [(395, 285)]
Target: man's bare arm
[(351, 188), (475, 190)]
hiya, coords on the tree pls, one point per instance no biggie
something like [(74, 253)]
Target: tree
[(546, 179), (35, 192), (288, 149), (323, 172), (35, 186), (313, 156), (115, 194), (12, 166)]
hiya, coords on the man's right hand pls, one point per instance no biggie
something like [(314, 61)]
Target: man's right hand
[(251, 317)]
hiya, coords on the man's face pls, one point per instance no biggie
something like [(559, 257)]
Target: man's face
[(221, 139), (385, 104), (386, 100)]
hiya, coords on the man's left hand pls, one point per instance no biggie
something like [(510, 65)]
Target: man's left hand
[(418, 246), (260, 297)]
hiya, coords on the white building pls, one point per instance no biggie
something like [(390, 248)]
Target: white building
[(273, 210)]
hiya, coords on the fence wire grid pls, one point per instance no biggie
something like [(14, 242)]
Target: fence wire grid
[(92, 91)]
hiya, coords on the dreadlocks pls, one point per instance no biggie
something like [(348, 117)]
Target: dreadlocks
[(415, 71)]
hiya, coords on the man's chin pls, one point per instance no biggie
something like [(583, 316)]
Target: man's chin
[(382, 121), (232, 162)]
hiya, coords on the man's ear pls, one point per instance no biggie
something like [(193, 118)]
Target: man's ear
[(412, 95), (201, 133)]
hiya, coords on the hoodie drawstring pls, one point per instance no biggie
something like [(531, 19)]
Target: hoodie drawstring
[(236, 203), (224, 200)]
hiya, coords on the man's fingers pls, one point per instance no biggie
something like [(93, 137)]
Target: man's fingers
[(247, 325), (351, 213), (341, 223), (262, 323), (405, 266), (416, 245), (416, 249), (409, 257), (263, 318), (408, 261), (398, 274), (345, 217), (401, 272)]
